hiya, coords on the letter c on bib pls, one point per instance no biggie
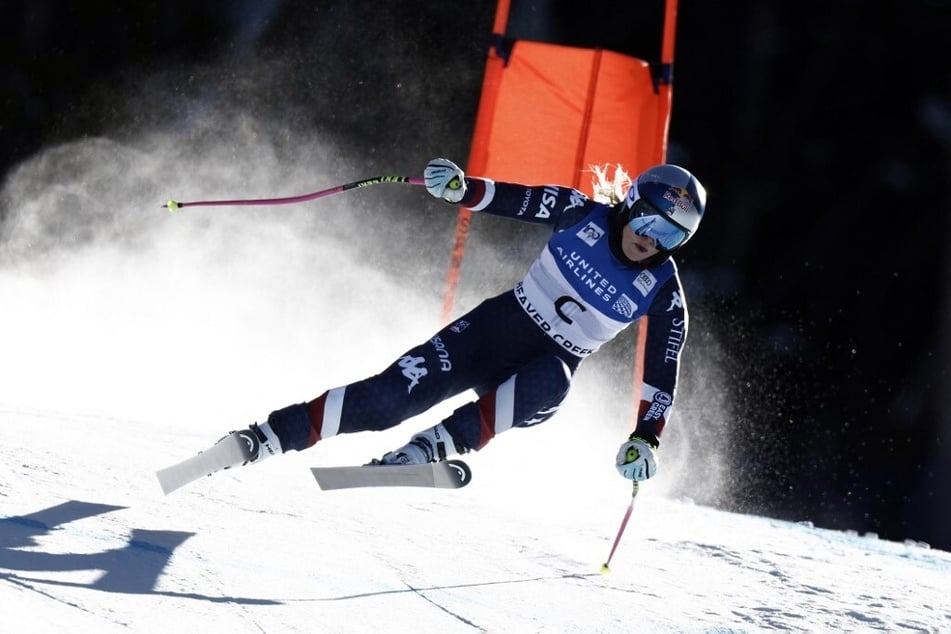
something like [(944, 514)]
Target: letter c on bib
[(561, 301)]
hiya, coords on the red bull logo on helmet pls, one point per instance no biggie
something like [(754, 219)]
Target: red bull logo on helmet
[(679, 197)]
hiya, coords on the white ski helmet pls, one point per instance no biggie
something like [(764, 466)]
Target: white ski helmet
[(666, 202)]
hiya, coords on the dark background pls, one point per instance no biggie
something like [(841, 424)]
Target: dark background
[(821, 130)]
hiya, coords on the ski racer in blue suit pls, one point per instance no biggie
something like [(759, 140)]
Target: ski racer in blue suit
[(604, 267)]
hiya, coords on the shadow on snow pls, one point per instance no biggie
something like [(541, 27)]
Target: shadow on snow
[(133, 568)]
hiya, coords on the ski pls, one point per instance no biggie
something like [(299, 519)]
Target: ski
[(449, 474), (230, 451)]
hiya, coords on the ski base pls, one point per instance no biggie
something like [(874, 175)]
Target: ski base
[(228, 452), (448, 474)]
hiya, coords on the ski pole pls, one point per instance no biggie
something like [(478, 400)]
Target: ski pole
[(173, 205), (605, 568)]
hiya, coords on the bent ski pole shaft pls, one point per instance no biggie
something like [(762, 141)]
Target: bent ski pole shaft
[(173, 205), (605, 567)]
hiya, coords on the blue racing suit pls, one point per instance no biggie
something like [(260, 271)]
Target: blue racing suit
[(518, 350)]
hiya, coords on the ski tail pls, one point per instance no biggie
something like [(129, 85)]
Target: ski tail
[(231, 451), (448, 474)]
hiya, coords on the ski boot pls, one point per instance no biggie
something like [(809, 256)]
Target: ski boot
[(255, 443), (431, 445)]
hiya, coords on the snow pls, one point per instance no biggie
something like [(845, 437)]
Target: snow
[(89, 543), (132, 338)]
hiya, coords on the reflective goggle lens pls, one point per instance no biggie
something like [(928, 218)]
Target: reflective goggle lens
[(656, 226)]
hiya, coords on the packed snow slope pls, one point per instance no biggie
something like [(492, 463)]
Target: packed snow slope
[(88, 543)]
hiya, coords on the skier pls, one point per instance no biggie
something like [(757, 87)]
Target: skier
[(604, 267)]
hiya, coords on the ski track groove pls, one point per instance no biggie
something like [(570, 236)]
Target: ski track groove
[(28, 584), (421, 594), (214, 581)]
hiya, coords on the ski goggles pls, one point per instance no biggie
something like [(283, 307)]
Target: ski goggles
[(648, 221)]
